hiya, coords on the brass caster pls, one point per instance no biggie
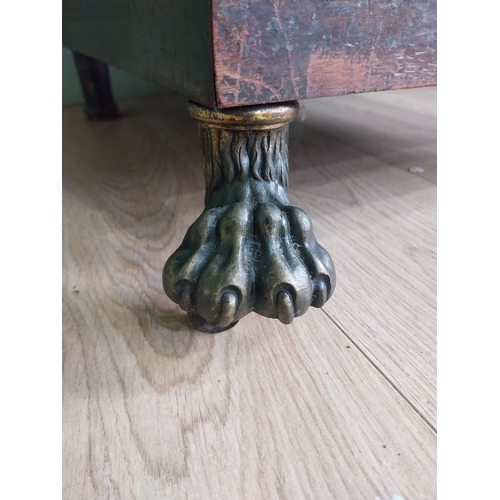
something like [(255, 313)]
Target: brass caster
[(202, 324)]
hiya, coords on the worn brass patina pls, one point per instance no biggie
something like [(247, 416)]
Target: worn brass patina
[(250, 250)]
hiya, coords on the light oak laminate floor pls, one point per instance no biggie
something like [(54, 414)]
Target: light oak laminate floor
[(339, 405)]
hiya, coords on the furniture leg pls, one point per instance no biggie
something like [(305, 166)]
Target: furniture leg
[(250, 250), (96, 86)]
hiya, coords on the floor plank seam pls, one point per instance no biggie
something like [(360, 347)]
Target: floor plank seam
[(386, 378)]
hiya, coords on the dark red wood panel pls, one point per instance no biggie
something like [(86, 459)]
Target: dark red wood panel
[(276, 50)]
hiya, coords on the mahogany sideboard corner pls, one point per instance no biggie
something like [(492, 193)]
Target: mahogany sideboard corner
[(243, 64)]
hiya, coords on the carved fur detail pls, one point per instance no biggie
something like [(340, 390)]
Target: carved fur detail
[(231, 156)]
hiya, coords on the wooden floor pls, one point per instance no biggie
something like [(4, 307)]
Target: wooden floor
[(339, 405)]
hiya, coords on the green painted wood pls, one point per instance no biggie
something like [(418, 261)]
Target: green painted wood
[(166, 42), (125, 85)]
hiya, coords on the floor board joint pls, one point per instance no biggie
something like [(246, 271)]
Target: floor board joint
[(384, 375)]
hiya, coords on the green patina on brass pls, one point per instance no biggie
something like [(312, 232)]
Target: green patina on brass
[(250, 250)]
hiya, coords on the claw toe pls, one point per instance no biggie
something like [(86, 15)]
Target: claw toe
[(285, 309), (228, 308), (184, 291), (320, 295)]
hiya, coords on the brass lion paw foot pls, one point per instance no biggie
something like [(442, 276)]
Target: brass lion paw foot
[(249, 250)]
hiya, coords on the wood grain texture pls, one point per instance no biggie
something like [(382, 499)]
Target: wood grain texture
[(167, 42), (154, 409), (380, 225), (271, 50), (399, 127)]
